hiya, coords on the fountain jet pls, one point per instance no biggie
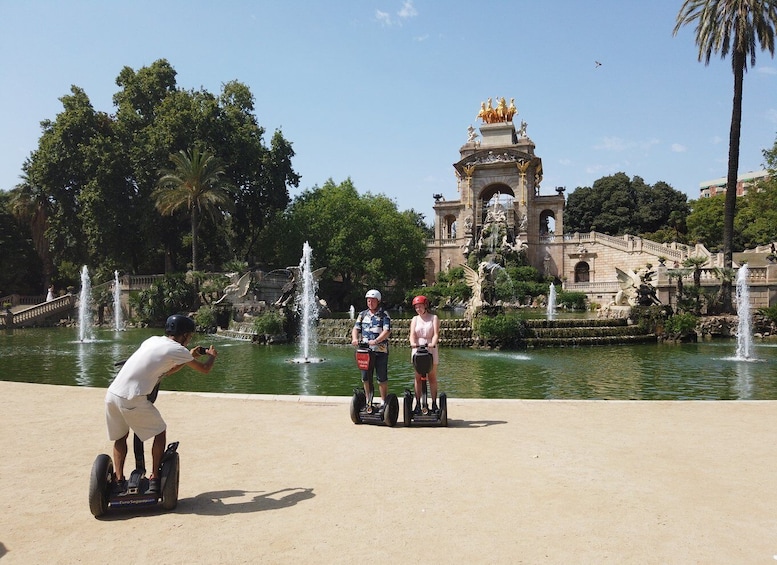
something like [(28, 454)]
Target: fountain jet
[(552, 302), (85, 307), (744, 329), (116, 302), (306, 305)]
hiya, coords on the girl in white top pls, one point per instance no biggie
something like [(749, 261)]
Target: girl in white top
[(425, 330)]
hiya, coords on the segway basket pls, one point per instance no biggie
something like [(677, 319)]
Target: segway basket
[(365, 358)]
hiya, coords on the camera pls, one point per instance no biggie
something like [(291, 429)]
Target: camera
[(201, 350)]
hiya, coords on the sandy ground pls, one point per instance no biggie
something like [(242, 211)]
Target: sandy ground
[(292, 480)]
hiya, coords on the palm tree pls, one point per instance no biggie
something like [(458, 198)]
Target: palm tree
[(738, 26), (696, 262), (29, 204), (197, 184)]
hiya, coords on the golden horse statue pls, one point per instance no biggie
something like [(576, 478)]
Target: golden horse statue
[(501, 114)]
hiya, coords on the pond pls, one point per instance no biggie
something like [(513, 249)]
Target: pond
[(694, 371)]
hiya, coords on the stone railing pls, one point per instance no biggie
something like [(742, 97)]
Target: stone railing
[(35, 315), (22, 299)]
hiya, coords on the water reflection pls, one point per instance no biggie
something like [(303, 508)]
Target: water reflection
[(703, 371)]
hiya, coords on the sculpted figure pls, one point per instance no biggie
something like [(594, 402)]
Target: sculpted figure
[(512, 111), (236, 290), (501, 110), (475, 280)]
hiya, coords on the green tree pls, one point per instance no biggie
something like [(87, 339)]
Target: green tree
[(705, 222), (363, 240), (196, 184), (738, 26), (617, 205), (29, 206), (756, 218), (20, 268), (95, 173)]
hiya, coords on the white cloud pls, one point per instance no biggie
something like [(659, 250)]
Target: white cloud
[(383, 17), (407, 11), (766, 70), (679, 148), (612, 144), (716, 140)]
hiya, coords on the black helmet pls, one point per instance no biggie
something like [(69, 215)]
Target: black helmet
[(178, 324)]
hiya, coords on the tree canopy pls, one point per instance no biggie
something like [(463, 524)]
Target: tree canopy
[(363, 240), (93, 175), (617, 205)]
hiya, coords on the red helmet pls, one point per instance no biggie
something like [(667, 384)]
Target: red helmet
[(420, 299)]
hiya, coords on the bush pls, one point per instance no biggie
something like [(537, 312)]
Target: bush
[(505, 330), (269, 323), (571, 300), (681, 325), (171, 295), (769, 313), (205, 318)]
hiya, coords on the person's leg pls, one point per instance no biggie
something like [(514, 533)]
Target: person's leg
[(433, 385), (381, 369), (367, 385), (119, 456), (418, 390), (157, 451)]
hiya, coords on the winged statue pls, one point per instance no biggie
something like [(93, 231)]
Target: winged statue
[(474, 280), (236, 290), (289, 290), (629, 292)]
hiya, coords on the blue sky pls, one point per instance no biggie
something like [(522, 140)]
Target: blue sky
[(383, 91)]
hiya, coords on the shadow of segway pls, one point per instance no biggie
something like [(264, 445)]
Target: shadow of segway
[(474, 423)]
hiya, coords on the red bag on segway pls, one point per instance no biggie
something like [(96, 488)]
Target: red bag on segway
[(365, 358)]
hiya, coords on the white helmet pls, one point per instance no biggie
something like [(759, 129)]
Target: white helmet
[(373, 294)]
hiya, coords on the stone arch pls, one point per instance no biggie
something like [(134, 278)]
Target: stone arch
[(492, 189), (485, 188), (449, 227), (489, 192), (582, 272), (547, 222)]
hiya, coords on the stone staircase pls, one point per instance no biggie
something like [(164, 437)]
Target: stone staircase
[(541, 333), (567, 333)]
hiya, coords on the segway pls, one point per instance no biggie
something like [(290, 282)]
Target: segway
[(363, 409), (426, 416), (104, 490)]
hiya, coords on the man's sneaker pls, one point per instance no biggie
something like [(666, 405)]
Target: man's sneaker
[(153, 486), (434, 407), (120, 487)]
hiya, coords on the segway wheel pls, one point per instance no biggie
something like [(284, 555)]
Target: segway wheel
[(100, 484), (170, 475), (407, 408), (358, 402), (391, 413), (443, 409)]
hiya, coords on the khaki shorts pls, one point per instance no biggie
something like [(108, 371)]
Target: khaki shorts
[(138, 414)]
